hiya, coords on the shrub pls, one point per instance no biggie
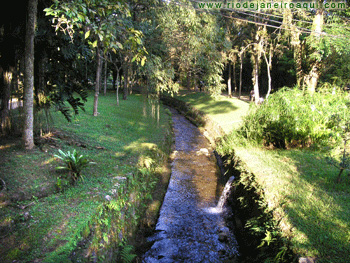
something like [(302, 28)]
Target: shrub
[(74, 163), (291, 118)]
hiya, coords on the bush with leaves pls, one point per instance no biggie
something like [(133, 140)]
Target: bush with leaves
[(343, 163), (291, 118), (74, 164)]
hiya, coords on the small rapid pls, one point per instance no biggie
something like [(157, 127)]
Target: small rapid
[(191, 225)]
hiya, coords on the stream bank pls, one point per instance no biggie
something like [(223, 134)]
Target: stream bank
[(256, 231), (191, 227)]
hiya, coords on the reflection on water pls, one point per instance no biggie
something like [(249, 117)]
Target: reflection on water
[(190, 227)]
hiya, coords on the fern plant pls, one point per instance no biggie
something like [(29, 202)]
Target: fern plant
[(73, 162), (126, 254)]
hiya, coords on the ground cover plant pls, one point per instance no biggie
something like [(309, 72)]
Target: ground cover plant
[(293, 118), (299, 184), (94, 218)]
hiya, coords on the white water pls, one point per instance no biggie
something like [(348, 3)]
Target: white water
[(225, 194)]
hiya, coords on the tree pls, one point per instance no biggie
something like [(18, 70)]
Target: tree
[(195, 45), (28, 133), (98, 79), (311, 79), (103, 24)]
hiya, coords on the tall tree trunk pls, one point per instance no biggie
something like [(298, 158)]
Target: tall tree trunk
[(4, 111), (298, 63), (229, 88), (28, 105), (256, 78), (311, 79), (268, 68), (98, 80)]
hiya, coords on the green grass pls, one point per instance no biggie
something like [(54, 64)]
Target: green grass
[(227, 112), (299, 185), (122, 141)]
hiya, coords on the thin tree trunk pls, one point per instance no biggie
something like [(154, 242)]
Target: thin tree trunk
[(28, 132), (234, 76), (268, 68), (98, 79), (256, 79), (339, 175), (229, 88), (126, 80), (312, 79)]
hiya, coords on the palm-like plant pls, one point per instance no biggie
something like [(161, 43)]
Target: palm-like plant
[(74, 163)]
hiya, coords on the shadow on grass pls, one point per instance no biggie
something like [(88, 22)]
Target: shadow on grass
[(209, 105), (318, 207)]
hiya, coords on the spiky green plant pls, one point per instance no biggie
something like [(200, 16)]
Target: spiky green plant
[(74, 163), (126, 254)]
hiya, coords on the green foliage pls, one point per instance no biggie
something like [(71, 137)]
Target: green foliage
[(344, 163), (334, 49), (74, 163), (195, 54), (159, 75), (290, 118), (260, 232), (126, 254)]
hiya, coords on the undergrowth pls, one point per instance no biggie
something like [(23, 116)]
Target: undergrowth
[(290, 118)]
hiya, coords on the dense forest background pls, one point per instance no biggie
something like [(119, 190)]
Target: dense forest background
[(161, 46)]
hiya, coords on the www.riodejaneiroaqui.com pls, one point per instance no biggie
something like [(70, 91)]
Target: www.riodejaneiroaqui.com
[(277, 4)]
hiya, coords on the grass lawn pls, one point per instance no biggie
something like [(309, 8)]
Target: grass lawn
[(227, 112), (39, 224), (299, 186)]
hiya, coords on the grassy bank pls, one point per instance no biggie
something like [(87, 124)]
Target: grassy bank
[(228, 112), (299, 187), (128, 146)]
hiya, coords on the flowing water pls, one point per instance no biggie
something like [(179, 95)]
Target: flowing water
[(191, 226)]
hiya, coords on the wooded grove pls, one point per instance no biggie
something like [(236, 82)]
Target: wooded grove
[(53, 52)]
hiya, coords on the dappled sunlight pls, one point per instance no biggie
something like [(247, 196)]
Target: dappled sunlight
[(7, 146), (48, 161), (140, 145), (208, 104), (227, 112)]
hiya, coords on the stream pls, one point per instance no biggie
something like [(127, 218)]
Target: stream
[(191, 225)]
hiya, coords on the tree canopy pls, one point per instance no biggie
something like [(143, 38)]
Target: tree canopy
[(162, 46)]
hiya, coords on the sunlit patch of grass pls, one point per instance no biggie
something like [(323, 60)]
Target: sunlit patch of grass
[(225, 111), (300, 186), (7, 146)]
